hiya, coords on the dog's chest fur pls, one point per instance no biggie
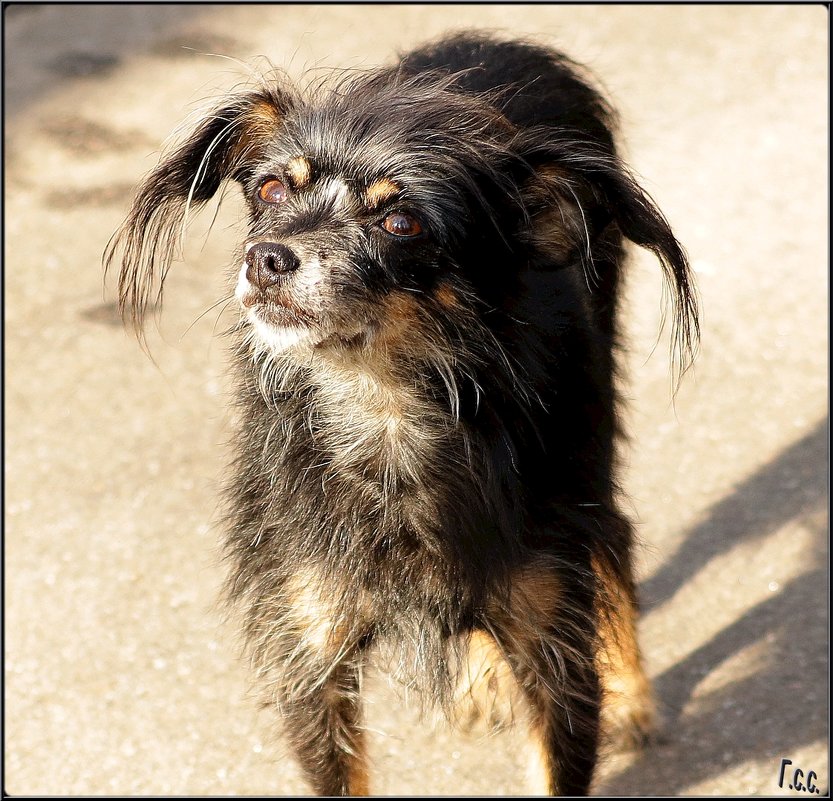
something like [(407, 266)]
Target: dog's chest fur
[(354, 509), (377, 431), (354, 463)]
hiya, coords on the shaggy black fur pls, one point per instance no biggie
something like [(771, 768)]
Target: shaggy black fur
[(425, 365)]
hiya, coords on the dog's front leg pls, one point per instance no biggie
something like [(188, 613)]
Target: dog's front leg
[(322, 712), (308, 643), (628, 712), (548, 639)]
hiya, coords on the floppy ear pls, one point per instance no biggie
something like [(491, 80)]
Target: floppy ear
[(592, 188), (220, 147), (641, 221)]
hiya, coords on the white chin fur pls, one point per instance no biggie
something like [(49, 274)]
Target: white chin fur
[(274, 338), (277, 339)]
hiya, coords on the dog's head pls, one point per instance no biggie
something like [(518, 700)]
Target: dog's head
[(390, 204), (367, 203)]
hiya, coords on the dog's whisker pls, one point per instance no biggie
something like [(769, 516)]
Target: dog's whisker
[(220, 314), (223, 301)]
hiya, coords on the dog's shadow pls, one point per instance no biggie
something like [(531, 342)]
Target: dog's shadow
[(782, 705)]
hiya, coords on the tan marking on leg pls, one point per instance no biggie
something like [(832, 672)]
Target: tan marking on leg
[(359, 779), (379, 192), (536, 597), (538, 769), (537, 610), (628, 709), (487, 690)]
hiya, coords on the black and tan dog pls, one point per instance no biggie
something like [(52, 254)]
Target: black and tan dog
[(425, 360)]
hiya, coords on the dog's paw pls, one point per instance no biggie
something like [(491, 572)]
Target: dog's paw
[(629, 720)]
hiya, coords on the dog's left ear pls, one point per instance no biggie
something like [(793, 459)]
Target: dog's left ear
[(590, 188), (220, 148)]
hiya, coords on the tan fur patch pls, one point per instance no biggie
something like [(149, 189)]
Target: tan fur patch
[(264, 113), (487, 691), (536, 599), (446, 296), (628, 708), (358, 780), (260, 122), (379, 192), (300, 172), (550, 231), (560, 226), (538, 592), (401, 317), (313, 614), (538, 770)]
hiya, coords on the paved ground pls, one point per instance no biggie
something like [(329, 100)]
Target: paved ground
[(120, 677)]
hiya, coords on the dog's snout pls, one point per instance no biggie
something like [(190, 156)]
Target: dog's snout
[(268, 262)]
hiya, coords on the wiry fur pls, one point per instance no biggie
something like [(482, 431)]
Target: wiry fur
[(426, 458)]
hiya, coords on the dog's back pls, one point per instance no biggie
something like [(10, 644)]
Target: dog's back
[(533, 85)]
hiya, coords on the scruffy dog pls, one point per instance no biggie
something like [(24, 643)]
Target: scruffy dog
[(425, 368)]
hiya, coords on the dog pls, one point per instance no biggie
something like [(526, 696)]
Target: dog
[(425, 365)]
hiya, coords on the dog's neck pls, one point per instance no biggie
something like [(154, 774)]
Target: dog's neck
[(374, 417), (377, 408)]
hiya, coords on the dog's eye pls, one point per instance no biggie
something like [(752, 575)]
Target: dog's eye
[(399, 223), (272, 191)]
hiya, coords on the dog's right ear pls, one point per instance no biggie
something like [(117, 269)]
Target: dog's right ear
[(221, 147)]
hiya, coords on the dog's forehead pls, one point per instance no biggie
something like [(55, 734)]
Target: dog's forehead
[(315, 152), (353, 137), (382, 149)]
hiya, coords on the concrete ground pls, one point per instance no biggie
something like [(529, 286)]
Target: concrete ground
[(120, 676)]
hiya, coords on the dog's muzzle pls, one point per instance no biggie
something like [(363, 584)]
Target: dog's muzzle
[(267, 263)]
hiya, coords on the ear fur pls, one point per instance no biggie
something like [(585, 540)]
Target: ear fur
[(220, 148), (591, 188)]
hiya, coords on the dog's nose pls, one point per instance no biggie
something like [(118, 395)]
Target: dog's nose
[(267, 262)]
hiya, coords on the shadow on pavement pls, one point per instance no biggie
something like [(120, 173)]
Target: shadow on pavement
[(36, 68), (785, 488), (747, 719)]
